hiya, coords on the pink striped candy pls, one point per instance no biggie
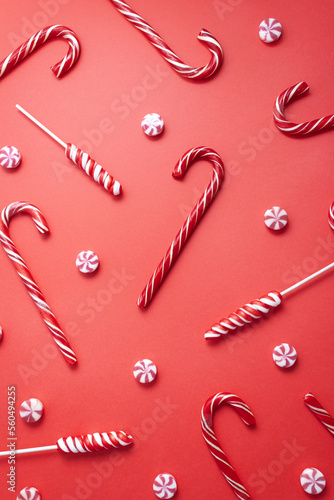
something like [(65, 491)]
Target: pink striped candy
[(275, 218), (285, 355), (270, 30), (145, 371), (29, 493), (152, 124), (87, 262), (165, 486), (31, 410), (10, 157), (331, 216), (312, 481)]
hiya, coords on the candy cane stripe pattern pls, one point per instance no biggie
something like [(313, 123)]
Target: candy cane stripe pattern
[(294, 128), (183, 69), (270, 30), (24, 273), (331, 216), (55, 31), (165, 486), (199, 153), (225, 398), (245, 315), (94, 442), (29, 493), (275, 218), (31, 410), (93, 169), (10, 157), (319, 411), (312, 481)]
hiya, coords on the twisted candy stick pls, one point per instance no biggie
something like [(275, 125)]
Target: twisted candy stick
[(207, 429), (331, 216), (24, 273), (200, 153), (36, 41), (294, 128), (319, 411), (183, 69), (83, 444)]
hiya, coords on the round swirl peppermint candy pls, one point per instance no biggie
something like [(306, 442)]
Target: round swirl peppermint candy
[(152, 124), (165, 486), (29, 493), (145, 371), (10, 157), (31, 410), (270, 30), (313, 481), (285, 355), (275, 218), (87, 262)]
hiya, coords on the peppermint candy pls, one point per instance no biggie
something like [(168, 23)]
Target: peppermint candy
[(285, 355), (312, 481), (275, 218), (10, 157), (29, 493), (165, 486), (145, 371), (31, 410), (152, 124), (270, 30), (87, 262)]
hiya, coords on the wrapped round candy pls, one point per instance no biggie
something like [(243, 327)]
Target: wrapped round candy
[(31, 410), (165, 486), (29, 493)]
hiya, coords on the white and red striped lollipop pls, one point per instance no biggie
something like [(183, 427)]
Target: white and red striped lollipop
[(285, 355), (145, 371), (313, 481), (29, 493), (165, 486), (331, 216), (87, 262), (31, 410), (152, 124), (270, 30), (275, 218), (10, 157)]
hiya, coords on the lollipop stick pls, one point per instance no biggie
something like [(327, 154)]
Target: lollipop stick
[(28, 450), (40, 125), (309, 278)]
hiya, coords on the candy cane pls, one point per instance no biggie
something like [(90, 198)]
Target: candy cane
[(183, 69), (98, 441), (319, 411), (24, 273), (294, 128), (200, 153), (225, 398), (46, 34)]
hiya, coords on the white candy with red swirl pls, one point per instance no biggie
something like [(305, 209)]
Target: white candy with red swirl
[(312, 481), (275, 218), (145, 371), (270, 30), (10, 157), (87, 262), (331, 216), (285, 355), (152, 124), (31, 410), (29, 493), (165, 486)]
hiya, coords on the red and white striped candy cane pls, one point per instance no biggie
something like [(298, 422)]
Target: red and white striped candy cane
[(255, 309), (24, 273), (199, 153), (183, 69), (46, 34), (319, 411), (297, 128), (225, 398)]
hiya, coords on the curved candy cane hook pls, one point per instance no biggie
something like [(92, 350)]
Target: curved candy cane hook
[(225, 398), (297, 128), (200, 153), (56, 31), (24, 273), (183, 69)]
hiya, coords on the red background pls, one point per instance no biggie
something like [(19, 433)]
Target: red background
[(231, 258)]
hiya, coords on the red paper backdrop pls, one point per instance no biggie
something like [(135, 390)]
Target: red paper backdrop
[(231, 258)]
